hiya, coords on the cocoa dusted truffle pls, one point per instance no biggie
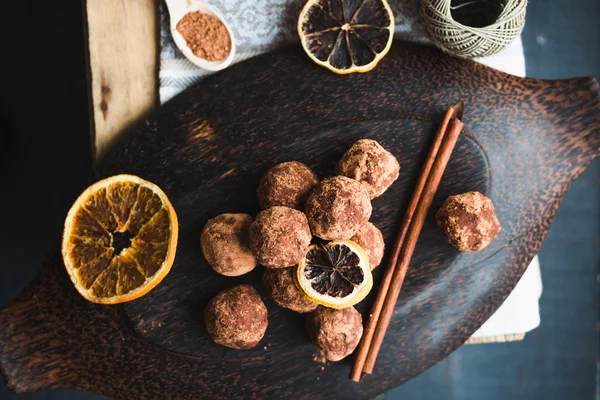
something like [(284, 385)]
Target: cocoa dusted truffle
[(225, 244), (279, 283), (279, 237), (370, 164), (337, 208), (236, 317), (370, 238), (287, 184), (336, 333), (468, 221)]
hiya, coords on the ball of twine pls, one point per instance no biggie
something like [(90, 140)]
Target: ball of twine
[(467, 41)]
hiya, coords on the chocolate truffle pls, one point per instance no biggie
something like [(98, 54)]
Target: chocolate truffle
[(370, 164), (225, 244), (370, 238), (279, 237), (336, 333), (236, 317), (468, 221), (279, 283), (337, 208), (287, 184)]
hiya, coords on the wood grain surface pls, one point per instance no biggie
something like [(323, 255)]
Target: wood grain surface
[(525, 142), (123, 66)]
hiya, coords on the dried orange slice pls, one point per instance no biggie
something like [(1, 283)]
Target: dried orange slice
[(346, 36), (120, 239), (335, 275)]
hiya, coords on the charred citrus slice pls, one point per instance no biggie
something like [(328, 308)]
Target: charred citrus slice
[(335, 275), (119, 240), (346, 36)]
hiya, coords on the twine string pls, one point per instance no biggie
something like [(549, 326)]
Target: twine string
[(466, 41)]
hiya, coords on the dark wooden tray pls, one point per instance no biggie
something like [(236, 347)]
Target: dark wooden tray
[(525, 142)]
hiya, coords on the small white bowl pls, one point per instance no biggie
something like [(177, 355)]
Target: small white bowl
[(179, 8)]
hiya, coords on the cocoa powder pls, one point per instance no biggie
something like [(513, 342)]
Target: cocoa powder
[(205, 35)]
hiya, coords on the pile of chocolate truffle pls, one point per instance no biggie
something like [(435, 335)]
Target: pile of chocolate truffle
[(296, 207)]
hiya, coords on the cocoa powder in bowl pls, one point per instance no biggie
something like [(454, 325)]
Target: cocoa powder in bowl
[(205, 35)]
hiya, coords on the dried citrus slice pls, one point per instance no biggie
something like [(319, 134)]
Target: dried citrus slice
[(119, 240), (346, 36), (336, 275)]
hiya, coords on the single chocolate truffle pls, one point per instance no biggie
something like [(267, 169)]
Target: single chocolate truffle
[(370, 238), (370, 164), (468, 221), (226, 246), (287, 184), (337, 208), (236, 317), (279, 237), (279, 283), (336, 333)]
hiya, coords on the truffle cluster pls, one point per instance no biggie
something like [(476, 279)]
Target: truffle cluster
[(295, 206), (468, 221)]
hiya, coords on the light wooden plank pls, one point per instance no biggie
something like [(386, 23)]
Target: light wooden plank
[(123, 57)]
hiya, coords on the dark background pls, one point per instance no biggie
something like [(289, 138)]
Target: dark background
[(45, 161)]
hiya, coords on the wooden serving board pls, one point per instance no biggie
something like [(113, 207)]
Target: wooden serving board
[(525, 141)]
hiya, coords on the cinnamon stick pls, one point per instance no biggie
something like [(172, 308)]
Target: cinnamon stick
[(454, 129), (365, 344)]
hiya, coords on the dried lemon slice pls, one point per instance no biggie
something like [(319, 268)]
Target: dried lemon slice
[(335, 275), (346, 36), (119, 239)]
